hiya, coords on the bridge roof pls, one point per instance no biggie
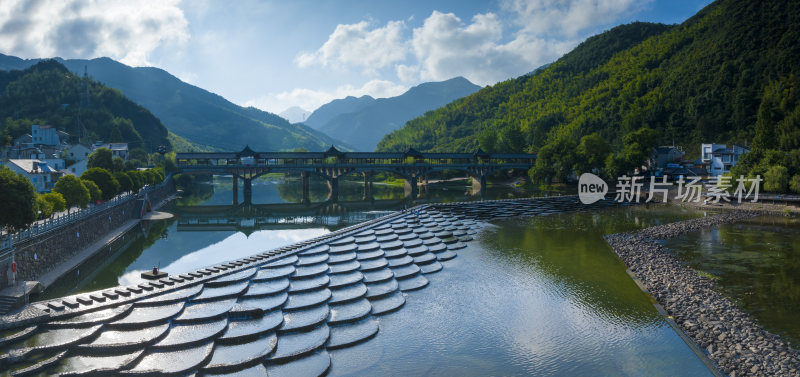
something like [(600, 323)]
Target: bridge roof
[(350, 155)]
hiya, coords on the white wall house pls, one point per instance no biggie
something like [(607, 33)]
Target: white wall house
[(45, 135), (77, 152), (41, 176), (76, 169), (117, 149), (55, 163), (720, 158)]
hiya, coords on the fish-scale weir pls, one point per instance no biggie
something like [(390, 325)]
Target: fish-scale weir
[(277, 312)]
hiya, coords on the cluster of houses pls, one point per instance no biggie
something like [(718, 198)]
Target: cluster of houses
[(46, 154), (714, 160)]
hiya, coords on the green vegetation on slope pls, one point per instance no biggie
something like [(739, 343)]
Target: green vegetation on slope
[(725, 75), (196, 114), (48, 94)]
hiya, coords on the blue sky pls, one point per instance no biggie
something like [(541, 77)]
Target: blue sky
[(277, 54)]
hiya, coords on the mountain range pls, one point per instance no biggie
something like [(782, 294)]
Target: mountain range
[(363, 121), (704, 80), (193, 113)]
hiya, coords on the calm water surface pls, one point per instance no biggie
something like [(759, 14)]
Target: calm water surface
[(757, 262), (540, 296)]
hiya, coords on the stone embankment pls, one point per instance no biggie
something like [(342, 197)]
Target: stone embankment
[(731, 338), (39, 255)]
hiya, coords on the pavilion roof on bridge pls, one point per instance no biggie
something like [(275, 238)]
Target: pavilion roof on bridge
[(411, 152), (247, 151), (332, 151), (480, 153)]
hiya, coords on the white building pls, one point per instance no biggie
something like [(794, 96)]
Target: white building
[(76, 169), (719, 158), (44, 135), (41, 176), (77, 152), (117, 149), (54, 163)]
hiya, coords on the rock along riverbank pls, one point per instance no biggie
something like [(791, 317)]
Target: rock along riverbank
[(730, 337)]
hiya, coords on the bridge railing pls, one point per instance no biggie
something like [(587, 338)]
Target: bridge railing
[(56, 222), (353, 165), (348, 159)]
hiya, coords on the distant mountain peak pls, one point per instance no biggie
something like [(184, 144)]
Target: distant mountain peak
[(295, 114), (365, 120)]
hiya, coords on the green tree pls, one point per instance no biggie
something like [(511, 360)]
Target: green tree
[(487, 140), (125, 182), (42, 208), (511, 140), (794, 184), (638, 145), (137, 179), (56, 200), (18, 201), (94, 191), (118, 164), (776, 179), (73, 191), (555, 160), (138, 154), (169, 163), (101, 158), (592, 153), (133, 164), (104, 180)]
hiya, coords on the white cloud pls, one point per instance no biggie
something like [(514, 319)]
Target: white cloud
[(446, 47), (407, 73), (568, 17), (124, 30), (355, 45), (312, 99)]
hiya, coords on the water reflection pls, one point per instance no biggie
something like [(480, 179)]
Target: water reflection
[(757, 262), (543, 296)]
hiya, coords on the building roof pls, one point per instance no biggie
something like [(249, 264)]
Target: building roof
[(32, 166), (667, 149), (112, 146)]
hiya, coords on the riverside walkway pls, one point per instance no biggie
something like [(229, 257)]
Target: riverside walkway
[(275, 313)]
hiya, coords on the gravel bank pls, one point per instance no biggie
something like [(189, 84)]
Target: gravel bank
[(729, 336)]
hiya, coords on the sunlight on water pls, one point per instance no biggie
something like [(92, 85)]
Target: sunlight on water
[(235, 246)]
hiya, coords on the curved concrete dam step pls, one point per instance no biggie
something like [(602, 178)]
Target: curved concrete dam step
[(278, 311)]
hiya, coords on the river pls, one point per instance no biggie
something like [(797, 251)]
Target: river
[(537, 296)]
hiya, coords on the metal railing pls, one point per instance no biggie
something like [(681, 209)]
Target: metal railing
[(56, 222)]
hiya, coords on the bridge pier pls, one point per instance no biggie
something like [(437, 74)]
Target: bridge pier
[(306, 197), (235, 190), (367, 185), (333, 185), (248, 190), (411, 188), (479, 185)]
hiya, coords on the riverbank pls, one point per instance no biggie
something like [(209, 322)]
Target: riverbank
[(730, 337), (43, 260)]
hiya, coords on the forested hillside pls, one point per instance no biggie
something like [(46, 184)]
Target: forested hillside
[(196, 114), (48, 94), (728, 74)]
